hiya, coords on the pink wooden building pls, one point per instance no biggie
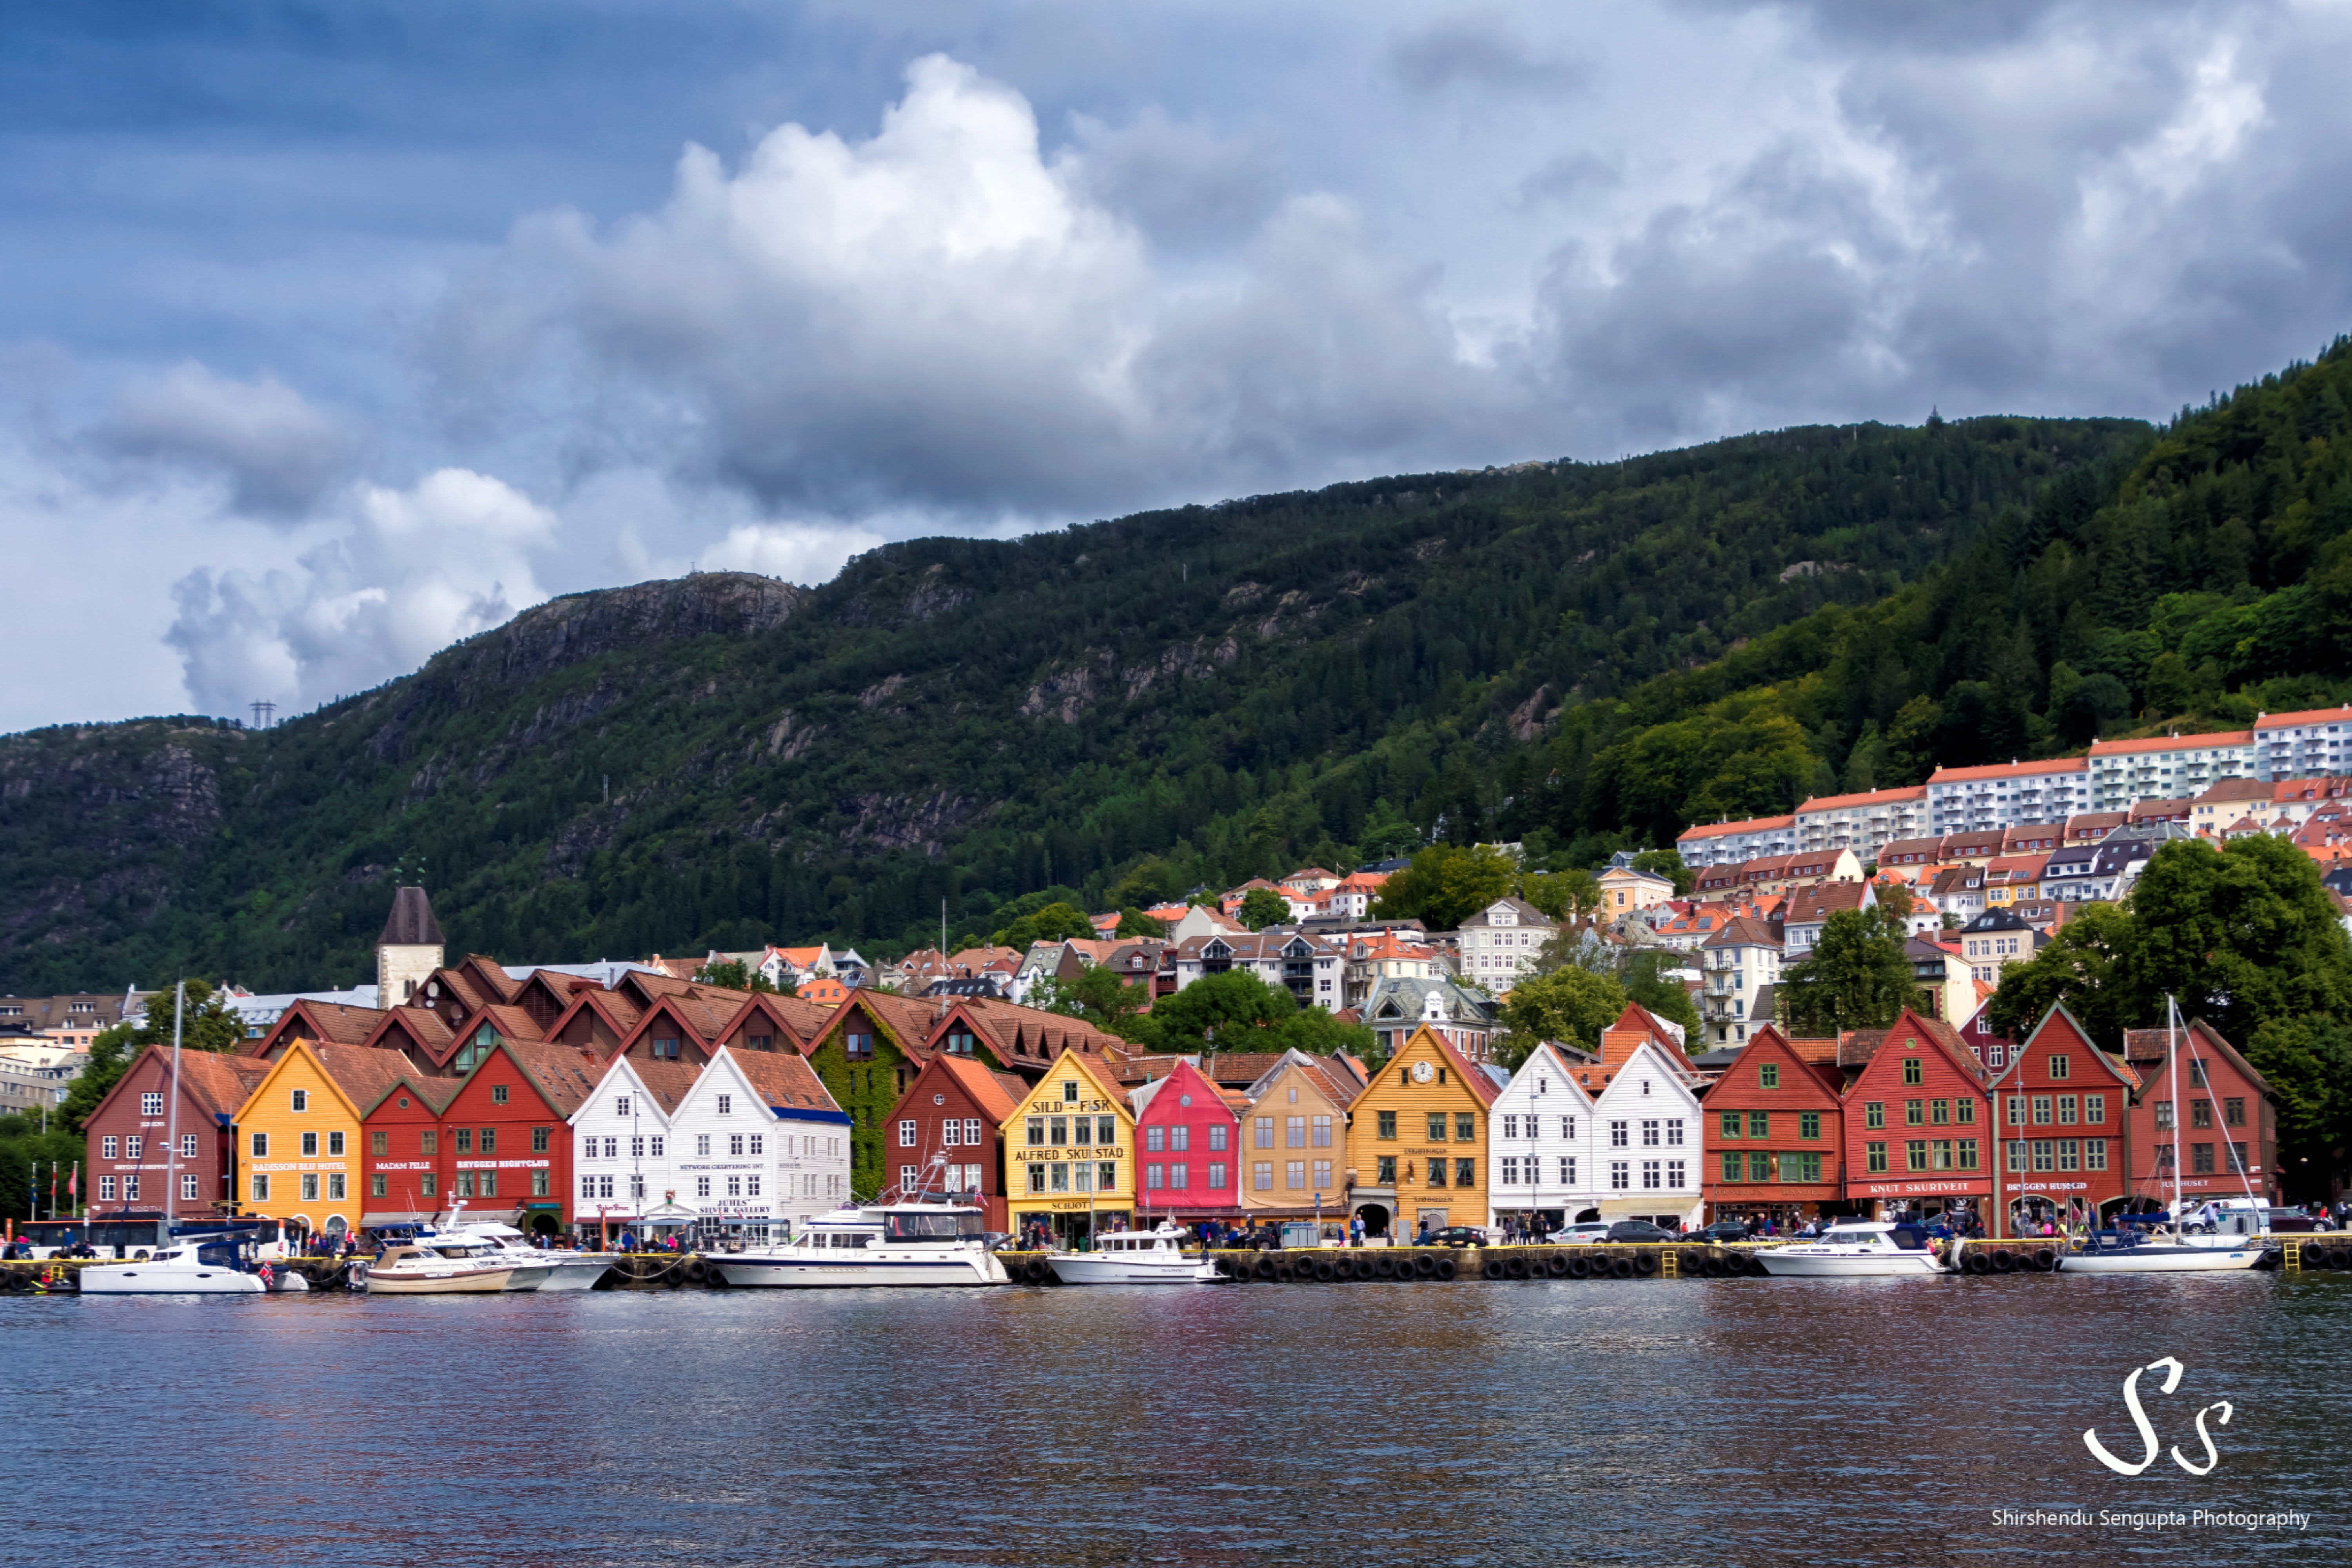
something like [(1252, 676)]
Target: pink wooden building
[(1188, 1149)]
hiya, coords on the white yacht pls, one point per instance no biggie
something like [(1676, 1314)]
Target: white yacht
[(565, 1270), (1849, 1248), (191, 1268), (448, 1266), (897, 1244), (1136, 1257)]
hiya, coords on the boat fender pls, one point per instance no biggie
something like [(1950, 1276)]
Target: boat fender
[(1556, 1265), (1383, 1268), (2339, 1258), (2044, 1261), (1711, 1265), (1267, 1269), (1516, 1268), (1424, 1267), (1578, 1268), (2004, 1261), (1447, 1268), (1645, 1265), (1621, 1268), (1324, 1271), (697, 1271), (1975, 1263)]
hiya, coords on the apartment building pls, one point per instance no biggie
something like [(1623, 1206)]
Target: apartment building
[(2005, 794), (2302, 745), (1731, 843), (1862, 822), (2123, 772)]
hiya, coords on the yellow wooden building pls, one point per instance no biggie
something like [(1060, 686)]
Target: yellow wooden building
[(1070, 1154), (297, 1137), (1417, 1141)]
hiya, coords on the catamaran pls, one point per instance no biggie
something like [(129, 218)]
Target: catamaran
[(2168, 1251)]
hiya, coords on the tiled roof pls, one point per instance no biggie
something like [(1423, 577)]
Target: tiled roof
[(218, 1081), (2006, 770), (330, 1021), (1750, 825), (1807, 905), (1745, 931), (2234, 789), (2307, 716), (997, 1094), (1869, 797), (2173, 744), (562, 1073), (784, 1079), (361, 1073)]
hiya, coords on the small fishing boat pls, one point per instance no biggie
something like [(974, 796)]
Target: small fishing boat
[(1850, 1250), (895, 1245), (1136, 1257), (185, 1269), (448, 1266)]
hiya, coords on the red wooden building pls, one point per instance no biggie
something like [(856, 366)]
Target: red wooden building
[(505, 1141), (1774, 1135), (2224, 1113), (402, 1169), (131, 1160), (2062, 1105), (1919, 1119), (946, 1134)]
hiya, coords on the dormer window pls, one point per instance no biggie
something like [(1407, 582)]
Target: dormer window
[(1069, 1091)]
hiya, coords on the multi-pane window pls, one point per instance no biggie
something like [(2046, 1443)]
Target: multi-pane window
[(1620, 1175), (1436, 1120), (1912, 1073), (1322, 1175), (1568, 1170), (1760, 1124), (1217, 1137), (1293, 1172), (1180, 1139), (1968, 1155), (2045, 1110), (1465, 1127), (1465, 1172), (1675, 1133), (150, 1104), (1264, 1125), (539, 1136), (1873, 1156), (2069, 1108), (1915, 1113), (1294, 1132), (2233, 1111), (1809, 1124), (1650, 1175), (1435, 1173), (106, 1147), (2164, 1115), (972, 1131), (1386, 1170), (1733, 1165), (1874, 1113), (1768, 1076), (188, 1189), (1387, 1128), (1621, 1134), (1650, 1133), (106, 1188), (1729, 1123), (1322, 1132), (735, 1145), (906, 1134), (1262, 1175), (1178, 1176), (2060, 1066)]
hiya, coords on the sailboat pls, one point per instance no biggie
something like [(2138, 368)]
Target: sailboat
[(2173, 1254)]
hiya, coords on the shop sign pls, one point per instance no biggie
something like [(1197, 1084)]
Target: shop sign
[(2054, 1186), (490, 1165), (1921, 1189)]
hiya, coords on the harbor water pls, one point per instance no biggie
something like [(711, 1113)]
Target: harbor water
[(1744, 1421)]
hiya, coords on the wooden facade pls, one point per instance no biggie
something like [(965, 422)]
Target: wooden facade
[(946, 1134), (131, 1161), (298, 1134), (1775, 1133), (2062, 1119), (1073, 1166), (867, 1055), (2226, 1114), (1188, 1149), (1298, 1099), (1919, 1119), (1417, 1141)]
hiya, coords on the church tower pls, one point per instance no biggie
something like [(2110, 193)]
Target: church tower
[(408, 951)]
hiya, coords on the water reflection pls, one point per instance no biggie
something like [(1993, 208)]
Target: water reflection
[(1753, 1421)]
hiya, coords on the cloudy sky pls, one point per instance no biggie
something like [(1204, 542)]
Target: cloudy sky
[(331, 334)]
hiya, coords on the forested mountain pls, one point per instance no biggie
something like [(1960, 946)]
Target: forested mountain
[(1583, 656)]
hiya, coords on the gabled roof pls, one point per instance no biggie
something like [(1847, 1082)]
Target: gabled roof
[(411, 921), (1330, 1077), (304, 1020), (784, 1079), (436, 1092), (996, 1095), (2059, 1020), (1480, 1084), (798, 1021), (1029, 1037), (1858, 1048), (2149, 1047), (1808, 905), (358, 1074), (1548, 1058), (666, 1082), (700, 1013)]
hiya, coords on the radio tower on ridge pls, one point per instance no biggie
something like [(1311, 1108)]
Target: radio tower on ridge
[(263, 712)]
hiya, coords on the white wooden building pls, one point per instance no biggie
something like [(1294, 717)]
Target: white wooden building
[(621, 1143), (1646, 1136), (758, 1147), (1539, 1145)]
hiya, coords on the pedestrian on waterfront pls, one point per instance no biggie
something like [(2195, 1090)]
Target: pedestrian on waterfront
[(1356, 1231)]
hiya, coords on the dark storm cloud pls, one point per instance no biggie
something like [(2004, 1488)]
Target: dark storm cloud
[(1481, 50), (279, 453)]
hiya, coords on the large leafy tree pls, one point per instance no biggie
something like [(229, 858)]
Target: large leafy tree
[(1445, 885), (2239, 936), (2308, 1062), (734, 974), (1237, 1011), (1855, 978), (1262, 907), (207, 1024), (1055, 922), (1644, 977), (1100, 997), (1572, 1005)]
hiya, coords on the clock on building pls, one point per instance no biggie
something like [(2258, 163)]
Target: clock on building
[(1421, 1072)]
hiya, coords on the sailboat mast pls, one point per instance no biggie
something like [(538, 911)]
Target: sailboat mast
[(172, 1122), (2172, 1066)]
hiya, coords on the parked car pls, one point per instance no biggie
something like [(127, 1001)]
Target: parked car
[(1726, 1230), (2283, 1222), (1456, 1235), (1640, 1230), (1581, 1233)]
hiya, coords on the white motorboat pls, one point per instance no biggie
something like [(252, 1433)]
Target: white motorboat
[(1135, 1258), (192, 1267), (448, 1266), (565, 1270), (1849, 1250), (896, 1245)]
